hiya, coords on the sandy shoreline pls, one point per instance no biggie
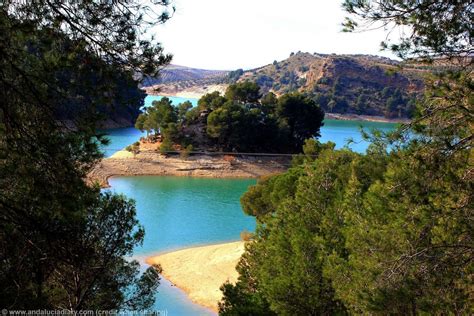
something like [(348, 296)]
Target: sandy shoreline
[(200, 271), (365, 118), (150, 163)]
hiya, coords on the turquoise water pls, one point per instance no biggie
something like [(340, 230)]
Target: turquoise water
[(184, 211), (339, 132), (119, 138), (336, 131), (179, 212), (175, 100)]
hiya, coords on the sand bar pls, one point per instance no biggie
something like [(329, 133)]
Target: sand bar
[(200, 271)]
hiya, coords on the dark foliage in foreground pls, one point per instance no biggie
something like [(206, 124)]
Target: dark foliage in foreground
[(386, 232), (63, 243)]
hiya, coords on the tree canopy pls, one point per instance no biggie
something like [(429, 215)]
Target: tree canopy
[(432, 28), (62, 242), (385, 232), (241, 120)]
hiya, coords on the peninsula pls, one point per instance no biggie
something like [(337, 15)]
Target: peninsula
[(151, 162)]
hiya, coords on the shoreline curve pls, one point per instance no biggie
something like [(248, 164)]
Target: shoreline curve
[(200, 271)]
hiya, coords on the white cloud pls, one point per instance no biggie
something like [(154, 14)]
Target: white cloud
[(231, 34)]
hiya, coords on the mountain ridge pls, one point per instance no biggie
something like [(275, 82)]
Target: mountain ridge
[(354, 84)]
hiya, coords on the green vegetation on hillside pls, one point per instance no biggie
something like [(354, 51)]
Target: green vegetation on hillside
[(386, 232), (346, 84), (64, 244), (241, 120)]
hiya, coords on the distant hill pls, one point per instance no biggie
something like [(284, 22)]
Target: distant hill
[(175, 73), (344, 84)]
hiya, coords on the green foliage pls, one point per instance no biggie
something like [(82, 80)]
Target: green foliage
[(243, 92), (420, 262), (62, 242), (192, 115), (246, 123), (367, 233), (240, 303), (103, 286), (134, 148), (140, 123), (166, 146), (286, 258), (299, 114), (383, 232), (186, 151), (432, 32), (303, 68), (311, 150), (269, 100), (183, 109), (211, 101), (226, 125), (264, 81), (233, 76), (171, 132), (162, 118)]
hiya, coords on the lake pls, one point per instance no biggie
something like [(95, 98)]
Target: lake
[(179, 212), (337, 131), (175, 100)]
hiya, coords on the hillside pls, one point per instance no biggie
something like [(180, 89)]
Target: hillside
[(185, 81), (175, 73), (353, 84), (344, 84)]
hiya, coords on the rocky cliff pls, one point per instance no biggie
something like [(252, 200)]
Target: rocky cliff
[(353, 84), (342, 84)]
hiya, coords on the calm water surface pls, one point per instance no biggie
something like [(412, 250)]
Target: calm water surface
[(336, 131), (180, 212), (175, 100), (340, 132)]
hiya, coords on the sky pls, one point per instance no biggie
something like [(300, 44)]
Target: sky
[(232, 34)]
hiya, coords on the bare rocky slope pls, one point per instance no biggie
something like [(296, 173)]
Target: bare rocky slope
[(175, 73), (343, 84)]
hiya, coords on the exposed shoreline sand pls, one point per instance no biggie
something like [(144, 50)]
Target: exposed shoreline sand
[(365, 118), (149, 163), (200, 271)]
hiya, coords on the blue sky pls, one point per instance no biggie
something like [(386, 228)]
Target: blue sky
[(231, 34)]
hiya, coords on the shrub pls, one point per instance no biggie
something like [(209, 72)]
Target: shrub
[(166, 146), (186, 151), (245, 235), (133, 148)]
